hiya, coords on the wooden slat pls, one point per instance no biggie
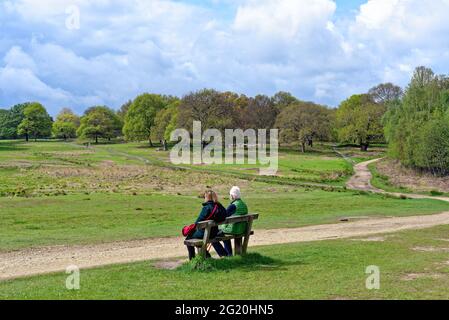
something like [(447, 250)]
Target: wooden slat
[(199, 242), (245, 218)]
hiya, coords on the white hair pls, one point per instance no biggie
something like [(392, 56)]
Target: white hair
[(235, 193)]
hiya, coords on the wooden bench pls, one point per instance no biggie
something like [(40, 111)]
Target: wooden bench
[(240, 247)]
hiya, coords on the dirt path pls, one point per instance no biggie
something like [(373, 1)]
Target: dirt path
[(51, 259), (361, 180)]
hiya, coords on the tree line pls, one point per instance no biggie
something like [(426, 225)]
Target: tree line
[(152, 117), (415, 123)]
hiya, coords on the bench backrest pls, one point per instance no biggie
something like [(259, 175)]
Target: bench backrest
[(235, 219)]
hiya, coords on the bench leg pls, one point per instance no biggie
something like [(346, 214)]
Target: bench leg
[(203, 251), (238, 246), (247, 235)]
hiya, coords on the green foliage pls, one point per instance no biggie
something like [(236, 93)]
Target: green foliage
[(10, 120), (99, 122), (165, 122), (359, 120), (66, 125), (417, 127), (36, 122), (140, 118)]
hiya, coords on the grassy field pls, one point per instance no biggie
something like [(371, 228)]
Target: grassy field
[(57, 193), (62, 193), (81, 219), (413, 265)]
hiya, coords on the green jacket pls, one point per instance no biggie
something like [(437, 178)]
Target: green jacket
[(237, 208)]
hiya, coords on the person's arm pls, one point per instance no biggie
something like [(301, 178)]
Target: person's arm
[(231, 210), (203, 214)]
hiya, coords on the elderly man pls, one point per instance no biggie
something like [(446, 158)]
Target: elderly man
[(236, 208)]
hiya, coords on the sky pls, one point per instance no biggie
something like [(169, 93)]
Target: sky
[(80, 53)]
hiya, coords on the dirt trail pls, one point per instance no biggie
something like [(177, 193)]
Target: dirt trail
[(57, 258), (51, 259), (361, 180)]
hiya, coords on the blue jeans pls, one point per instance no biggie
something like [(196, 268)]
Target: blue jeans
[(223, 252)]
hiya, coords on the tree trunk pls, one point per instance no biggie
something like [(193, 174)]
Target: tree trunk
[(151, 143), (96, 139), (311, 143), (164, 143), (303, 147), (27, 138), (364, 147)]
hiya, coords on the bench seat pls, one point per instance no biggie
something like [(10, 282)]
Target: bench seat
[(199, 242)]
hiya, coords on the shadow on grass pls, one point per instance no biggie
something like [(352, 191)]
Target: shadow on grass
[(12, 145), (249, 262)]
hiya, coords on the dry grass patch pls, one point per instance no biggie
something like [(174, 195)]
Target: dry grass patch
[(399, 176)]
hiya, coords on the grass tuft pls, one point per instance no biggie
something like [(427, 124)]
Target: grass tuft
[(249, 261)]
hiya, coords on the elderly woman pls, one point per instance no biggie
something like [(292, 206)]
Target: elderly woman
[(236, 208)]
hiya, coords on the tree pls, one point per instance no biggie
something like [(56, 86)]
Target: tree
[(261, 113), (99, 122), (304, 121), (124, 110), (66, 124), (165, 123), (36, 122), (212, 108), (139, 119), (3, 119), (11, 120), (385, 93), (417, 126), (359, 119), (283, 99)]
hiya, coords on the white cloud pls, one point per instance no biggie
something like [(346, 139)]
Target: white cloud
[(125, 48)]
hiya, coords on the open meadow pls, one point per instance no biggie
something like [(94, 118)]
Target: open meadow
[(56, 193)]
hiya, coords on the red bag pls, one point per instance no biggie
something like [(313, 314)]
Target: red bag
[(190, 229)]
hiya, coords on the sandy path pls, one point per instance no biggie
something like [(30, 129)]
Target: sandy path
[(361, 180), (51, 259)]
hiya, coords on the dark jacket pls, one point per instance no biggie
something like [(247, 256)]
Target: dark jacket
[(208, 207)]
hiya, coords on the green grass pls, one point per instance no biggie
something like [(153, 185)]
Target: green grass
[(317, 270), (319, 165), (103, 217)]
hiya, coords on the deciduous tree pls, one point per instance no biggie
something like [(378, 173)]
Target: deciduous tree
[(36, 122), (359, 120), (99, 122), (139, 120), (66, 124)]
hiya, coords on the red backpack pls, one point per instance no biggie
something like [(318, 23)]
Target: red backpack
[(190, 229)]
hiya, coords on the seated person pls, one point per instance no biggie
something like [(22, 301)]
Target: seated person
[(236, 208), (210, 202)]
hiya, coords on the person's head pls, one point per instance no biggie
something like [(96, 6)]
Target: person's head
[(210, 195), (234, 193)]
